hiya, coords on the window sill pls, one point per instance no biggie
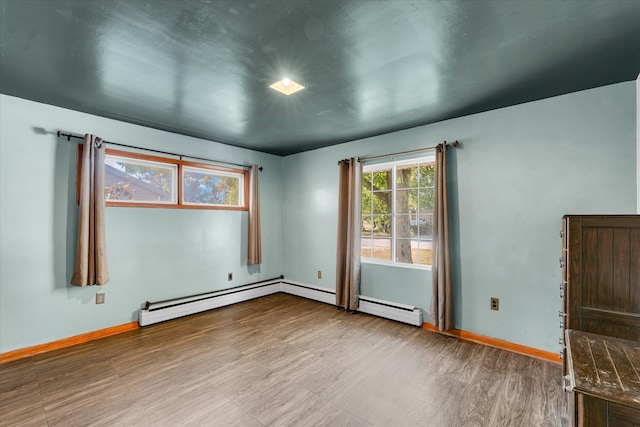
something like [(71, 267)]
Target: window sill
[(392, 264)]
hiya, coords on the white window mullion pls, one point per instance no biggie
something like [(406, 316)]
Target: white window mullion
[(393, 214)]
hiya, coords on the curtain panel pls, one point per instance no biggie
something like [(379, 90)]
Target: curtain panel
[(254, 253), (348, 249), (91, 249), (441, 296)]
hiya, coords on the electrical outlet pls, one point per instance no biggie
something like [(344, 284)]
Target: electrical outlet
[(319, 274), (100, 298), (230, 277), (495, 303)]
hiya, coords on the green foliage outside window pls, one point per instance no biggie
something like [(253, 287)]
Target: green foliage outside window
[(413, 193)]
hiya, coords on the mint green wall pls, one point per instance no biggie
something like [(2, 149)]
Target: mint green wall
[(153, 254), (518, 170)]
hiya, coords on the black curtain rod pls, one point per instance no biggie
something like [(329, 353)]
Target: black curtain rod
[(399, 153), (69, 136)]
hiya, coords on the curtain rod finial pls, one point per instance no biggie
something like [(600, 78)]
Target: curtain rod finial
[(455, 143), (260, 168)]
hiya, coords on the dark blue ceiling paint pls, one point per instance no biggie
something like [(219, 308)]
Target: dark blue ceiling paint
[(202, 68)]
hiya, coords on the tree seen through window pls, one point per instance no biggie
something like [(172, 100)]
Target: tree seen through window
[(397, 212)]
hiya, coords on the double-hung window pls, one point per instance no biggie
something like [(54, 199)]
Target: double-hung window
[(397, 212)]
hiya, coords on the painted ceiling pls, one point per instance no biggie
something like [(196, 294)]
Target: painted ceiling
[(203, 67)]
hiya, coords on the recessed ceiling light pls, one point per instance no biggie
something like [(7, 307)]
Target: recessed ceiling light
[(287, 86)]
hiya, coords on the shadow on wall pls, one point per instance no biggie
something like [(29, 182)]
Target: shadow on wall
[(65, 212), (454, 231)]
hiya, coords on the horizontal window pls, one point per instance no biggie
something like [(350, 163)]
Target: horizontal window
[(139, 181), (133, 179), (205, 186)]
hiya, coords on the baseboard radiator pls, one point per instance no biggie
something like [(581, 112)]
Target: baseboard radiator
[(155, 312)]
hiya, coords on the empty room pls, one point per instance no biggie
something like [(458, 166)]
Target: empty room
[(320, 213)]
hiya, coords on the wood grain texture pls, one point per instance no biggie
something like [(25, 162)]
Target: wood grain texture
[(281, 360), (605, 367), (634, 271), (603, 274)]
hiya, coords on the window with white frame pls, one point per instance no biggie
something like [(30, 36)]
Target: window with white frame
[(397, 212)]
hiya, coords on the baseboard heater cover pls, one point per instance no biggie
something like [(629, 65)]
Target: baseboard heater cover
[(155, 312), (315, 293), (374, 306), (391, 310)]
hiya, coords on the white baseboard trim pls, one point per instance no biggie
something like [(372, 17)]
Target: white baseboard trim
[(171, 309)]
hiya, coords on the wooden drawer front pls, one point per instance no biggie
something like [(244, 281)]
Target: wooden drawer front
[(611, 272), (623, 416), (619, 325), (594, 412)]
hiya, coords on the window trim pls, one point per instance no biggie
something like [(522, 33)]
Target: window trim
[(179, 163), (137, 156), (393, 166), (225, 171)]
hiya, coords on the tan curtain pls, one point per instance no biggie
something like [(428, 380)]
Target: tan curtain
[(348, 254), (441, 297), (91, 249), (255, 240)]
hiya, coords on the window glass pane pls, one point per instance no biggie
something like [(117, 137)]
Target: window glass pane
[(422, 255), (365, 248), (381, 248), (405, 249), (422, 225), (406, 201), (413, 251), (398, 206), (210, 187), (141, 181), (404, 226), (381, 226), (407, 176), (365, 238), (366, 202), (367, 226), (382, 180), (427, 175), (381, 202), (367, 181), (425, 200)]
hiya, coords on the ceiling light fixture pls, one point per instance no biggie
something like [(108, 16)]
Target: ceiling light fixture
[(287, 86)]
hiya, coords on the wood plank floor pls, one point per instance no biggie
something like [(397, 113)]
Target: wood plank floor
[(284, 361)]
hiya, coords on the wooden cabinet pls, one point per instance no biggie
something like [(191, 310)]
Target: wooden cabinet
[(601, 295)]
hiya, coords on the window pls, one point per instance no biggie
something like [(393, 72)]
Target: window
[(133, 179), (207, 186), (397, 212), (139, 181)]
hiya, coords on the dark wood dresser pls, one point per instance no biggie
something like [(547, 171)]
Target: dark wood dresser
[(601, 296)]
